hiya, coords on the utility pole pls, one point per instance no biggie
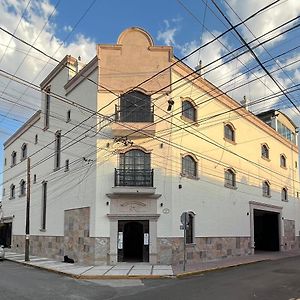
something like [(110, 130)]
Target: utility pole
[(27, 212)]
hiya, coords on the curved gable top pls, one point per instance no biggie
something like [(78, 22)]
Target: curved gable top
[(136, 36)]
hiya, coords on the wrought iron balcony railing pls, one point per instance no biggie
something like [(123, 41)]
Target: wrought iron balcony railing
[(134, 114), (143, 177)]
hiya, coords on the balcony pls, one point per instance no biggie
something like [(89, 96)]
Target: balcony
[(133, 181), (134, 121)]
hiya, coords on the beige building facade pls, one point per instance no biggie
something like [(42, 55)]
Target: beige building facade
[(126, 144)]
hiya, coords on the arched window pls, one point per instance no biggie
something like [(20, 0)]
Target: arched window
[(24, 151), (265, 151), (135, 169), (188, 110), (266, 189), (284, 194), (135, 106), (282, 161), (22, 188), (189, 238), (230, 178), (229, 133), (189, 166), (12, 191), (13, 158)]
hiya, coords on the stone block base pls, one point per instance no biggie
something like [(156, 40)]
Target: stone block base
[(170, 250)]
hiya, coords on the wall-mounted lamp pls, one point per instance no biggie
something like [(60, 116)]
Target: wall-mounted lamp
[(170, 104), (180, 186), (161, 205), (107, 203)]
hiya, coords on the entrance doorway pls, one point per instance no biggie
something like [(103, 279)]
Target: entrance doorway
[(266, 230), (5, 234), (133, 241)]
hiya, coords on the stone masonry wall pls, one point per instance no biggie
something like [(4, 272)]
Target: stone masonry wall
[(76, 242), (170, 250), (289, 240)]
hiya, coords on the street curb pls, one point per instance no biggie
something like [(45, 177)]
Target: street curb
[(194, 273), (93, 277)]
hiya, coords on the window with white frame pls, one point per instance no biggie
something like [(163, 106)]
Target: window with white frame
[(188, 110), (22, 188), (284, 194), (12, 191), (229, 132), (265, 151), (282, 161), (13, 158), (266, 189), (230, 178), (189, 166), (24, 151)]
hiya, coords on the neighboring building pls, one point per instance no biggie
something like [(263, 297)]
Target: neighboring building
[(111, 186)]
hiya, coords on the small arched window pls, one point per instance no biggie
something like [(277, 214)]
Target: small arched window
[(230, 178), (13, 158), (189, 166), (188, 110), (12, 191), (22, 187), (282, 161), (229, 132), (24, 151), (266, 189), (284, 194), (265, 151)]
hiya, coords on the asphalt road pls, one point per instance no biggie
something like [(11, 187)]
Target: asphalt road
[(273, 280)]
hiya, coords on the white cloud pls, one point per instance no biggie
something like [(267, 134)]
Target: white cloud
[(67, 28), (167, 36), (30, 28)]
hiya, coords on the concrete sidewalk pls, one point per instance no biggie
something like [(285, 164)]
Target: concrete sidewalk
[(122, 270), (143, 270)]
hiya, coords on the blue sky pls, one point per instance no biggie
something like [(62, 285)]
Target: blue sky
[(184, 24)]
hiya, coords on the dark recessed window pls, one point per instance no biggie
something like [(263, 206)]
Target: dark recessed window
[(265, 151), (188, 110), (266, 189), (189, 238), (44, 205), (230, 178), (68, 115), (36, 139), (284, 194), (189, 166), (47, 108), (282, 161), (12, 191), (13, 158), (34, 178), (135, 107), (57, 150), (229, 133), (24, 151), (22, 188), (3, 192)]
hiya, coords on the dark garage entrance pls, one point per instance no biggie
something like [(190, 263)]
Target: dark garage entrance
[(266, 230), (133, 241), (5, 234)]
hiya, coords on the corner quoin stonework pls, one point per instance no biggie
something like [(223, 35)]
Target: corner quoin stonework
[(76, 242)]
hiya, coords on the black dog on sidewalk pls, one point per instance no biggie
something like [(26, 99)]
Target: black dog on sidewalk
[(68, 260)]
